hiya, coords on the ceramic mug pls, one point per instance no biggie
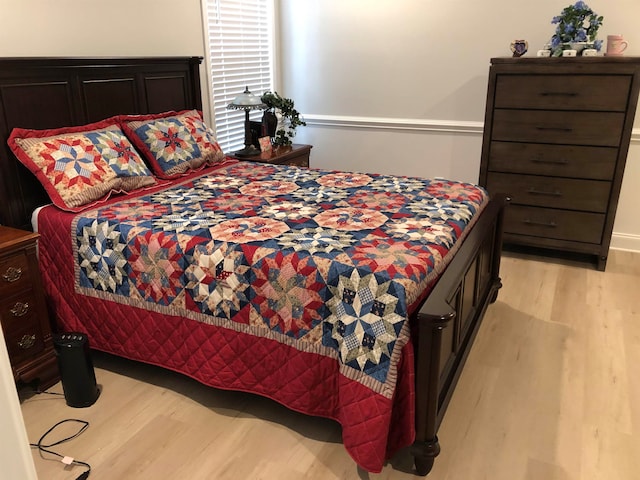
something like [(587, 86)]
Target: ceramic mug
[(616, 45)]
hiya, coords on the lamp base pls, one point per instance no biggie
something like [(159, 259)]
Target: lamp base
[(248, 151)]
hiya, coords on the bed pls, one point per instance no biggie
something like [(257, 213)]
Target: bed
[(374, 325)]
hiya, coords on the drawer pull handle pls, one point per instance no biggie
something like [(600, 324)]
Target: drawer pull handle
[(534, 191), (559, 94), (12, 274), (20, 309), (27, 341), (555, 129), (560, 161), (541, 224)]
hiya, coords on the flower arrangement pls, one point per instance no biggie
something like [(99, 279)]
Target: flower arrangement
[(576, 23)]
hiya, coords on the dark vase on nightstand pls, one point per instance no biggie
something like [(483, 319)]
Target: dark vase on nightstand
[(269, 123)]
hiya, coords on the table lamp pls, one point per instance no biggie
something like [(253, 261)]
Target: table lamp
[(247, 101)]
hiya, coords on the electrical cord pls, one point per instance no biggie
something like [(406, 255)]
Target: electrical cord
[(64, 459), (41, 392)]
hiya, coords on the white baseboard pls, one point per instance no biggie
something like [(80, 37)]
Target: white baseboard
[(625, 241)]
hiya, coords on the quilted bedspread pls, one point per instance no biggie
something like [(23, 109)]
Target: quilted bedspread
[(291, 283)]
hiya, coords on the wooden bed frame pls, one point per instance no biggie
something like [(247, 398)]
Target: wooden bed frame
[(54, 92)]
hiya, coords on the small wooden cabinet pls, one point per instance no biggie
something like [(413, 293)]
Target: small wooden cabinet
[(23, 312), (295, 154), (556, 138)]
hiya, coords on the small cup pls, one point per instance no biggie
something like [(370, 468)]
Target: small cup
[(569, 53), (543, 53), (616, 45)]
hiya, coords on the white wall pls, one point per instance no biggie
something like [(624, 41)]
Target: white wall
[(399, 86)]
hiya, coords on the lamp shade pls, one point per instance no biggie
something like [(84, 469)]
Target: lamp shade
[(247, 101)]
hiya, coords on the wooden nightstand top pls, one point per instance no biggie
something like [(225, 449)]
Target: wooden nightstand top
[(11, 238), (296, 154)]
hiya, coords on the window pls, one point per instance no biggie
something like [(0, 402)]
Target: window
[(240, 51)]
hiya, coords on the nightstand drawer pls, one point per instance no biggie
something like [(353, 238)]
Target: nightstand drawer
[(563, 92), (538, 126), (566, 193), (300, 161), (24, 341), (18, 310), (597, 163), (14, 274), (552, 223)]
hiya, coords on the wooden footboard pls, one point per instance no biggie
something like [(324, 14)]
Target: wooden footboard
[(445, 326)]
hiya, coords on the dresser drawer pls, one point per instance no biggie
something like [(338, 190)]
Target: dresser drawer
[(567, 193), (563, 92), (538, 126), (553, 223), (14, 274), (597, 163)]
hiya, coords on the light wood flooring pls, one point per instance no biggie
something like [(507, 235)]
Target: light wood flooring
[(550, 391)]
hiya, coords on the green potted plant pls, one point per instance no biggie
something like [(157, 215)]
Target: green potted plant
[(290, 118)]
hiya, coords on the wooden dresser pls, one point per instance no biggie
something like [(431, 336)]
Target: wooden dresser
[(23, 312), (556, 138)]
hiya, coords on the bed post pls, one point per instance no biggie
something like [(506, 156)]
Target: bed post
[(426, 447)]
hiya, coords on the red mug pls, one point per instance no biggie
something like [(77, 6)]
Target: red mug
[(616, 44)]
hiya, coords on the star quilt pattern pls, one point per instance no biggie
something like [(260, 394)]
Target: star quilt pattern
[(331, 259)]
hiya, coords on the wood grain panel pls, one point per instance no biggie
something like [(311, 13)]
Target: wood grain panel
[(554, 223), (564, 92), (573, 161), (567, 193), (537, 126), (105, 98), (166, 93)]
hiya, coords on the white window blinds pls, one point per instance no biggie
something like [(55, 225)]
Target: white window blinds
[(240, 38)]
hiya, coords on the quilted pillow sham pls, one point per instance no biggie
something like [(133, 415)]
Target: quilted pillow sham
[(81, 166), (173, 143)]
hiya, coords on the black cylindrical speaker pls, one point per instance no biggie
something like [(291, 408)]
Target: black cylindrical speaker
[(76, 369)]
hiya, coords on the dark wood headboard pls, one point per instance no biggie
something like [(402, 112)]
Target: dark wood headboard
[(45, 93)]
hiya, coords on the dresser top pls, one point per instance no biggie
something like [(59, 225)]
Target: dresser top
[(565, 61)]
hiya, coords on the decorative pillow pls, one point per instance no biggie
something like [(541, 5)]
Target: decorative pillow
[(81, 166), (173, 143)]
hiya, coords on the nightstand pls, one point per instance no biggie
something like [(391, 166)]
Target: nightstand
[(295, 154), (23, 312)]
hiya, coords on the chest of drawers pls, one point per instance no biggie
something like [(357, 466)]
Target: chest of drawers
[(556, 138), (23, 312)]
